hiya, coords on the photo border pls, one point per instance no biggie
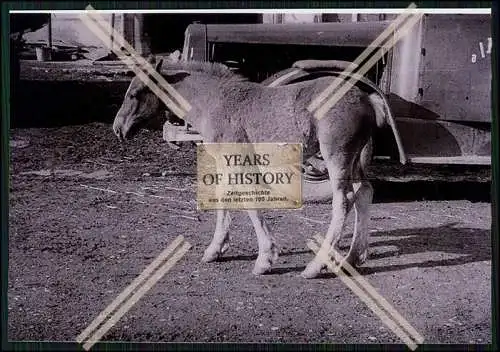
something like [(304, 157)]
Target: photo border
[(224, 5)]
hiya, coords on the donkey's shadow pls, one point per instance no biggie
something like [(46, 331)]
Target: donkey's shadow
[(253, 257), (470, 244)]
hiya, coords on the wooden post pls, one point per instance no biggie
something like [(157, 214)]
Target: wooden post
[(133, 33), (330, 17), (50, 31), (112, 30), (141, 43), (137, 33), (128, 28)]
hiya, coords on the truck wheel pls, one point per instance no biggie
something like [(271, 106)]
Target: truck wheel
[(316, 186)]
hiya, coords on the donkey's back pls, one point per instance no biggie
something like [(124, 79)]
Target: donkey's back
[(280, 114)]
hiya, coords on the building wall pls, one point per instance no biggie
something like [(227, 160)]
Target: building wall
[(329, 17), (70, 29), (290, 18)]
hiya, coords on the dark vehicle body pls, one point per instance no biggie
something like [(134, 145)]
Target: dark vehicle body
[(437, 79)]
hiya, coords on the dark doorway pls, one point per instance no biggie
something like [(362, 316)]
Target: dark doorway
[(166, 31)]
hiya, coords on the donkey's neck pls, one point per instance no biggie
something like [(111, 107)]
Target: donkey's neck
[(203, 88), (208, 92), (201, 91)]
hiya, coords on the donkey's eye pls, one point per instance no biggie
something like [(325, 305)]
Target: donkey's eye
[(136, 94)]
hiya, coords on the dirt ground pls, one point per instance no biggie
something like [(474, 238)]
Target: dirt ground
[(88, 214)]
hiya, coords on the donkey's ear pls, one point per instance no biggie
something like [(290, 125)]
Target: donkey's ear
[(175, 56), (152, 60), (158, 65)]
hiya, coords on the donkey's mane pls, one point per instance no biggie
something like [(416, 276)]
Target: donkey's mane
[(214, 69)]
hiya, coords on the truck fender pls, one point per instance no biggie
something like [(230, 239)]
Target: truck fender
[(376, 97)]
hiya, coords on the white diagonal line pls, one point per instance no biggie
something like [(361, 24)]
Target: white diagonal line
[(142, 62), (138, 71), (365, 298), (369, 64), (355, 64), (102, 30), (149, 269), (376, 296), (138, 295)]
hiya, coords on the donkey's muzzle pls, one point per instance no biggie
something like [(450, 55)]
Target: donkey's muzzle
[(119, 132)]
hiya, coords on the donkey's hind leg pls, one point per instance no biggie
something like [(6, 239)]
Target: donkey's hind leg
[(358, 251), (220, 240), (363, 189), (339, 171), (268, 251)]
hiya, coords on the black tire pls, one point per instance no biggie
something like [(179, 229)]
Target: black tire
[(316, 185)]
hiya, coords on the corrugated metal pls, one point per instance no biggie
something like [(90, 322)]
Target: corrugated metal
[(405, 64)]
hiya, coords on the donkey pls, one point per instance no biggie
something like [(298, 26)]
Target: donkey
[(227, 108)]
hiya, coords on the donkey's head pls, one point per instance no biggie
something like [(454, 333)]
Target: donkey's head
[(140, 105)]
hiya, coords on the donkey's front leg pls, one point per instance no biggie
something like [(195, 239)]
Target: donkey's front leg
[(268, 251), (220, 241)]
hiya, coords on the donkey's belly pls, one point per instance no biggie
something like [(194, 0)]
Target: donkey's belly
[(286, 133), (279, 125), (278, 136)]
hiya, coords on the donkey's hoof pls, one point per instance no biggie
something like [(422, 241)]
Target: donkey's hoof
[(224, 248), (210, 256), (362, 258), (312, 270), (356, 260), (261, 267)]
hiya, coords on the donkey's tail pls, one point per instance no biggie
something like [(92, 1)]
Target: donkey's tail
[(384, 117)]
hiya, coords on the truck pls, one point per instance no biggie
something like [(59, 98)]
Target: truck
[(436, 80)]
